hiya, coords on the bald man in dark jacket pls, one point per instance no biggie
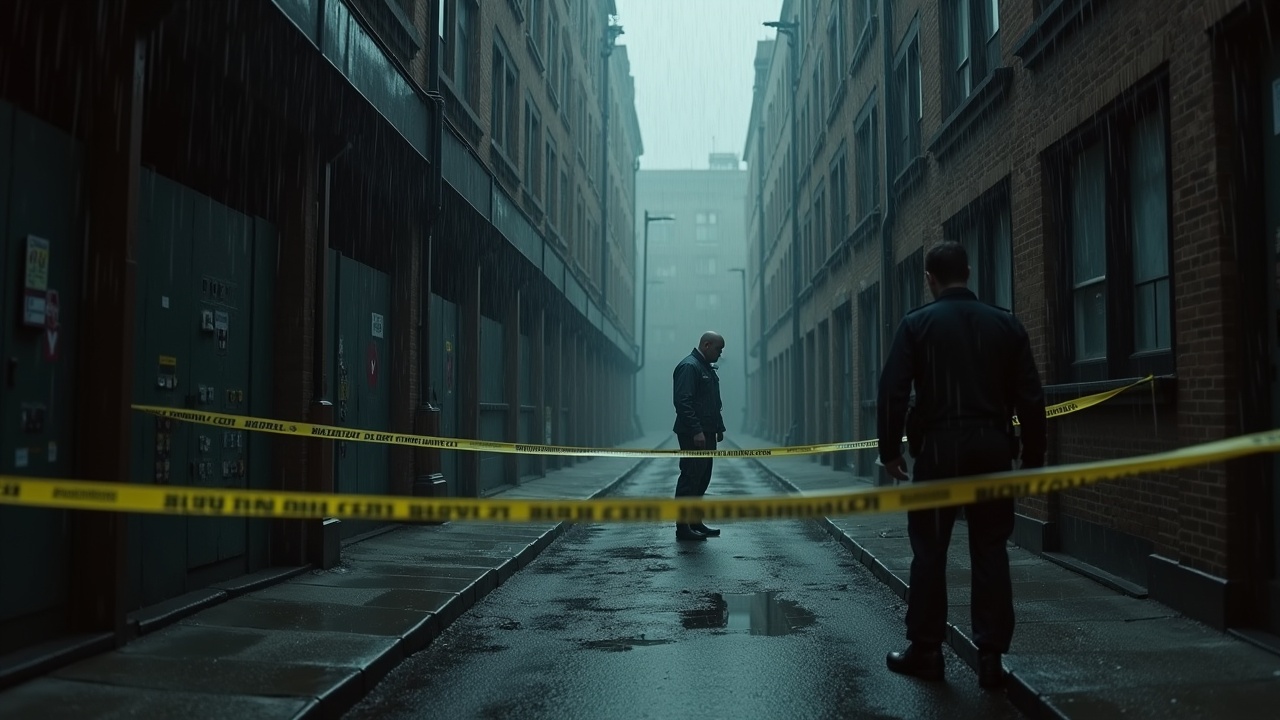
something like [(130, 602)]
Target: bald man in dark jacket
[(972, 369), (699, 424)]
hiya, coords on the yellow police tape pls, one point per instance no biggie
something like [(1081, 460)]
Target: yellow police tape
[(284, 427), (217, 502)]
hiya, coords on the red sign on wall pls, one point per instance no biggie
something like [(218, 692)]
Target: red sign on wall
[(51, 325), (371, 364)]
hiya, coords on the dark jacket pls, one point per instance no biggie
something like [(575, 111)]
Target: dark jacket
[(697, 396), (971, 365)]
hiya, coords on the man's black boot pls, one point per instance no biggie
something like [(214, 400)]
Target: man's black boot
[(990, 670), (919, 661), (684, 532), (709, 532)]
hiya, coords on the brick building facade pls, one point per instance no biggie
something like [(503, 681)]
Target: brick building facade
[(1100, 160)]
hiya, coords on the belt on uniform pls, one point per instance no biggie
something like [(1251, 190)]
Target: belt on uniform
[(968, 424)]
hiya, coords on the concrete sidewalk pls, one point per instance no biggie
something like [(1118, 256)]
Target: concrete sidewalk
[(1081, 649), (313, 646)]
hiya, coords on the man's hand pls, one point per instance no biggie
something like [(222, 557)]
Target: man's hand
[(719, 437), (897, 468), (700, 440)]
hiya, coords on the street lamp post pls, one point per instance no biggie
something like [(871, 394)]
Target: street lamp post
[(746, 380), (644, 311), (611, 33), (792, 30)]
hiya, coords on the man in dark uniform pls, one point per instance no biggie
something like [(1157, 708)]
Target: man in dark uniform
[(972, 368), (698, 423)]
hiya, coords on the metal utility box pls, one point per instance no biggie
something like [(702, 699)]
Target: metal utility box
[(203, 315), (40, 251)]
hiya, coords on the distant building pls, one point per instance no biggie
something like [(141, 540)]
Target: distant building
[(692, 282)]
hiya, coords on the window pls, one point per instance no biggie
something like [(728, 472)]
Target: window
[(973, 47), (535, 23), (819, 103), (865, 156), (1149, 196), (552, 160), (563, 221), (565, 72), (909, 105), (458, 47), (835, 49), (819, 229), (706, 266), (1113, 210), (505, 112), (861, 17), (532, 150), (869, 345), (910, 283), (579, 235), (705, 227), (839, 199), (706, 301), (983, 229), (553, 57)]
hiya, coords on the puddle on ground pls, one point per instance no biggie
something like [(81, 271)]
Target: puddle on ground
[(759, 613), (621, 644)]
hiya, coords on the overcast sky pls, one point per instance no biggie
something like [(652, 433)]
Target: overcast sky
[(693, 65)]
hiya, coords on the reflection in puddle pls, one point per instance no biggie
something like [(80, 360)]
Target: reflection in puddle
[(759, 613), (622, 644)]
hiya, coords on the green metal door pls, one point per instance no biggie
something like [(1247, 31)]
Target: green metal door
[(222, 242), (162, 376), (40, 168), (203, 314), (362, 365)]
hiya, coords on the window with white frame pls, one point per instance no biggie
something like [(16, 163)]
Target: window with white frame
[(459, 45), (971, 35), (835, 49), (1113, 208), (534, 21), (504, 111)]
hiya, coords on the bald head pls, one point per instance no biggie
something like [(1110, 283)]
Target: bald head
[(711, 345)]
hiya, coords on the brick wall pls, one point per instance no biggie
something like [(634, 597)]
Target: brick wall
[(1185, 515)]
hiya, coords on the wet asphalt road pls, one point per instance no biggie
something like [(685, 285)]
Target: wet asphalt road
[(769, 620)]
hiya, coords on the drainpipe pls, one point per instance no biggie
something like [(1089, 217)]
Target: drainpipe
[(762, 394), (886, 222), (611, 33), (428, 480)]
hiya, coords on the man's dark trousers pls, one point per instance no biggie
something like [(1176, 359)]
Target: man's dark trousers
[(956, 453), (695, 472)]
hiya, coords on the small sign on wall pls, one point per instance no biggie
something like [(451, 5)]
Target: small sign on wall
[(377, 325), (35, 282)]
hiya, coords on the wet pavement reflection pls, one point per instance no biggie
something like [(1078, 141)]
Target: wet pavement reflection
[(762, 613), (769, 620)]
